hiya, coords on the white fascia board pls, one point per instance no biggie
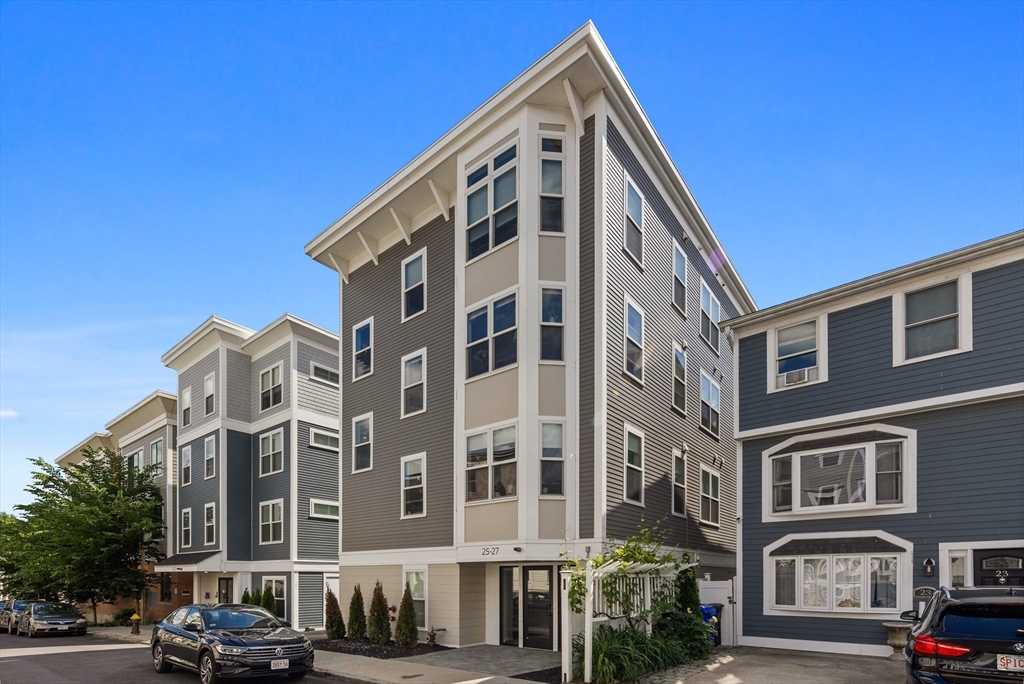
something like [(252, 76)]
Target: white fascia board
[(76, 450), (211, 324)]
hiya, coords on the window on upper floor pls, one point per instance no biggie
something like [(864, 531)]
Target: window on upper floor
[(709, 495), (272, 522), (135, 460), (934, 321), (798, 354), (634, 361), (210, 525), (678, 378), (324, 374), (362, 443), (186, 465), (209, 457), (186, 407), (491, 464), (552, 324), (272, 453), (186, 527), (156, 457), (552, 193), (552, 459), (678, 482), (492, 207), (362, 349), (414, 383), (208, 393), (327, 510), (413, 484), (492, 340), (633, 482), (709, 316), (679, 279), (634, 223), (322, 439), (414, 284), (271, 388), (710, 397)]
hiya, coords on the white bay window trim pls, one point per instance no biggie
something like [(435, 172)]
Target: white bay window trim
[(820, 370), (964, 314), (324, 509)]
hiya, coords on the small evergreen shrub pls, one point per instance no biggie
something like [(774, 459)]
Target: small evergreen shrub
[(123, 617), (269, 602), (333, 622), (689, 630), (687, 592), (246, 598), (407, 634), (257, 598), (378, 622), (357, 615)]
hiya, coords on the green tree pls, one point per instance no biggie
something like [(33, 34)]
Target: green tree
[(257, 597), (269, 602), (333, 621), (407, 633), (246, 598), (687, 591), (378, 623), (357, 615)]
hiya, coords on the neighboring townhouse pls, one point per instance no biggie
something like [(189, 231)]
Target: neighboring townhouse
[(881, 432), (532, 361), (257, 493)]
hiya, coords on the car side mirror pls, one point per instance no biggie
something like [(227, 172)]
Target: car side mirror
[(286, 623), (192, 627), (910, 616)]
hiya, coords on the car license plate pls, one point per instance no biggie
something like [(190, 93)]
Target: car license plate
[(62, 627), (279, 664), (1010, 663)]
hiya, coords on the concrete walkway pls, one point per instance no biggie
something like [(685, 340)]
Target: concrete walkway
[(491, 660), (745, 665)]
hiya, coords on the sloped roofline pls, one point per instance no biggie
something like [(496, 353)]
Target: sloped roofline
[(77, 449), (312, 328), (159, 394), (211, 323)]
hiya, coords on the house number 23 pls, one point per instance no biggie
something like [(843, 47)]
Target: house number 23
[(490, 551)]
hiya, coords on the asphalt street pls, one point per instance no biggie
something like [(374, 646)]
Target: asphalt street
[(89, 660)]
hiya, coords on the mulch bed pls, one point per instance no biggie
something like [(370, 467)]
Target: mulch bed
[(552, 675), (365, 647)]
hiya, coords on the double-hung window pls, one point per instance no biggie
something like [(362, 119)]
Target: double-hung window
[(491, 337), (209, 390), (417, 582), (271, 522), (552, 457), (552, 193), (552, 324), (272, 453), (322, 439), (932, 322), (633, 482), (492, 207), (186, 465), (413, 484), (156, 457), (709, 316), (678, 482), (135, 460), (209, 525), (679, 279), (414, 284), (634, 222), (362, 349), (270, 388), (323, 373), (678, 378), (796, 354), (491, 464), (836, 582), (209, 457), (634, 361), (709, 495), (362, 442), (186, 527), (186, 407), (710, 398), (414, 383)]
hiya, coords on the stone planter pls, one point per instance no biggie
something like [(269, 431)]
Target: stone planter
[(898, 633)]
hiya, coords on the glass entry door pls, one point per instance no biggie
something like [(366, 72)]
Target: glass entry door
[(538, 611), (225, 590)]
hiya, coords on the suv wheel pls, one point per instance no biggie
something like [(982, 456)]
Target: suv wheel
[(208, 669), (159, 664)]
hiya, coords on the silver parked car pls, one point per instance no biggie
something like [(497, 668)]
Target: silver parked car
[(51, 618)]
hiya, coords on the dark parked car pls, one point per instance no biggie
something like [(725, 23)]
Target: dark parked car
[(967, 635), (10, 614), (51, 618), (229, 640)]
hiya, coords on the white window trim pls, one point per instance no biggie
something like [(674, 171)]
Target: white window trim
[(682, 454), (186, 460), (909, 505), (672, 289), (489, 430), (162, 462), (628, 181), (207, 458), (321, 516), (904, 582), (207, 507), (406, 569), (405, 289), (546, 285), (314, 364), (183, 528), (772, 353), (965, 319), (554, 156), (714, 383), (700, 490), (357, 326), (677, 347), (327, 433), (213, 394), (186, 403), (259, 523), (628, 302), (626, 430), (356, 419), (138, 463), (948, 550), (259, 388), (717, 324), (284, 583), (489, 303), (488, 159), (422, 457), (259, 450), (564, 423), (401, 372)]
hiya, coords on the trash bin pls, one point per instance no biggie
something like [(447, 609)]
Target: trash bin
[(718, 607)]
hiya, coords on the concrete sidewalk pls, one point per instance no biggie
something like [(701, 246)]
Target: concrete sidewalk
[(122, 633)]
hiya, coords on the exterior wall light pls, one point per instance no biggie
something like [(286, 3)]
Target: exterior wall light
[(929, 567)]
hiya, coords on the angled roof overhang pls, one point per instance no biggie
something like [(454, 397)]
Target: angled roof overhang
[(159, 404), (97, 440), (213, 329), (271, 335)]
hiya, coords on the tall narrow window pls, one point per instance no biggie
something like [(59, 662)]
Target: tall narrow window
[(208, 393), (551, 191), (552, 325), (679, 482), (679, 378), (186, 464), (186, 527), (785, 582), (362, 349), (135, 460), (209, 457), (634, 480), (492, 340), (782, 484), (270, 388), (414, 378), (491, 464), (710, 394), (932, 320), (492, 223), (551, 459), (186, 407), (634, 340), (209, 526), (709, 313), (275, 585), (413, 500), (796, 356), (272, 453), (679, 280), (709, 500), (271, 522), (503, 457), (634, 223), (417, 581), (414, 284), (156, 457), (889, 473), (362, 443)]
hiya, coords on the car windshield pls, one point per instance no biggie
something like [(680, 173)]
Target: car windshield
[(20, 605), (248, 617), (989, 621), (53, 609)]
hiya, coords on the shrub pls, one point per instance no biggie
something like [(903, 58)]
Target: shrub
[(626, 655), (246, 598), (378, 622), (357, 615), (269, 602), (687, 592), (123, 617), (407, 634), (334, 624), (257, 598), (688, 630)]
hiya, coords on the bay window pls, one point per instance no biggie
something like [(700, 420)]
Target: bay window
[(552, 194), (491, 337), (492, 207), (849, 582), (491, 464), (551, 459)]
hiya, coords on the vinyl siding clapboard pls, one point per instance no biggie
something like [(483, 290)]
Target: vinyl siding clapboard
[(239, 389), (311, 600), (201, 492), (588, 365), (269, 488), (315, 395), (282, 355), (318, 479), (194, 376), (239, 473)]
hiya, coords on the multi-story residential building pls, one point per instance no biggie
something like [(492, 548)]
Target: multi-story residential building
[(881, 433), (257, 486), (531, 356)]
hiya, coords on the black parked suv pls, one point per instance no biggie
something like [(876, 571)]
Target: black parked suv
[(229, 640), (966, 636)]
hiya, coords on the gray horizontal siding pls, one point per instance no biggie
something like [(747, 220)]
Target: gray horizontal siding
[(193, 377), (970, 475), (200, 492), (588, 365), (281, 354), (861, 374), (312, 394), (239, 389), (311, 599), (269, 488), (239, 473), (318, 479)]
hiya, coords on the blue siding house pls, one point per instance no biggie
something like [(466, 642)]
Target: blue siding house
[(880, 436)]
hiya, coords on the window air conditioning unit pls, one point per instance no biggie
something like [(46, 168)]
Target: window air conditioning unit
[(796, 377)]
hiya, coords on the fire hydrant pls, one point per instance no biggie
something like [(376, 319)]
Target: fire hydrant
[(135, 623)]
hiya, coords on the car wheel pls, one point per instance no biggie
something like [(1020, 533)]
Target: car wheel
[(208, 669), (159, 664), (31, 634)]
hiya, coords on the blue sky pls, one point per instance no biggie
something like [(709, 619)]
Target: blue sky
[(162, 162)]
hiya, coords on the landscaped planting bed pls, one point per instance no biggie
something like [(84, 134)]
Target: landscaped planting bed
[(365, 647)]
